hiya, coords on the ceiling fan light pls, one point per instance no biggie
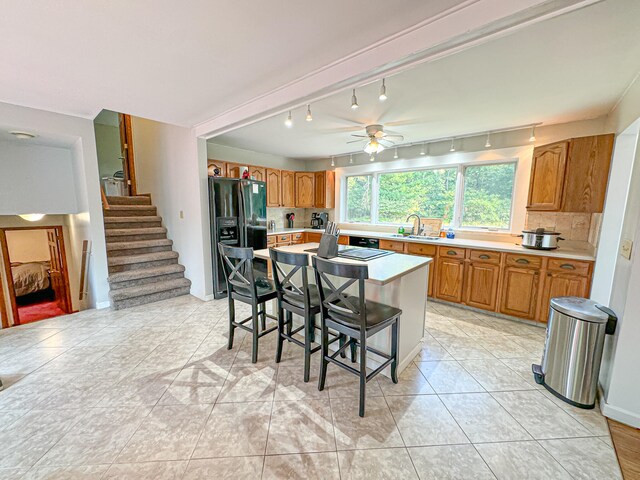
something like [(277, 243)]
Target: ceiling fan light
[(289, 121), (354, 100), (373, 146), (309, 117), (383, 92)]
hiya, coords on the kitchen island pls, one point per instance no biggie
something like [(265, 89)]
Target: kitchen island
[(398, 280)]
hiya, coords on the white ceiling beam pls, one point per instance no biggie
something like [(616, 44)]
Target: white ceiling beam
[(468, 24)]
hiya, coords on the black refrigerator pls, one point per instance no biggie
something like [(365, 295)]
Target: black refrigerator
[(238, 213)]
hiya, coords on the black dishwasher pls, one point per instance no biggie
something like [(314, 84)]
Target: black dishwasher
[(364, 242)]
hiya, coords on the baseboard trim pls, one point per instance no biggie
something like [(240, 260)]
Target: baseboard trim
[(620, 414), (101, 305)]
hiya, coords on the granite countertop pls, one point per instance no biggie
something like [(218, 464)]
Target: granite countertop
[(382, 270), (566, 251)]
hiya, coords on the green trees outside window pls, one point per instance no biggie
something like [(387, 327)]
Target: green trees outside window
[(359, 198), (488, 194)]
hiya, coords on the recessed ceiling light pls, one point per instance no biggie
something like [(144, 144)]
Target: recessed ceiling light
[(32, 217), (22, 135)]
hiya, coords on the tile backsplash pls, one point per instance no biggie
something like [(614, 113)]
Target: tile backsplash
[(575, 226), (302, 216)]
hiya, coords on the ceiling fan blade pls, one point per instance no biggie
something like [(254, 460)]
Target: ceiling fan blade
[(361, 136), (399, 137), (356, 141), (379, 134)]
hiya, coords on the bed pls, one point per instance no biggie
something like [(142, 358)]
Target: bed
[(30, 277)]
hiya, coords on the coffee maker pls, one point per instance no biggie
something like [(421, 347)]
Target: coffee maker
[(319, 220)]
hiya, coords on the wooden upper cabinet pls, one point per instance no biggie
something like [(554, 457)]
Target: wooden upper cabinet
[(519, 292), (449, 279), (273, 187), (325, 190), (547, 176), (213, 164), (587, 174), (233, 170), (288, 189), (481, 287), (305, 191), (258, 173)]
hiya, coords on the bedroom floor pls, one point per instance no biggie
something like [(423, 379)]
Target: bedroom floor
[(39, 311)]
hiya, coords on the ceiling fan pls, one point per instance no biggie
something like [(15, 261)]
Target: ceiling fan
[(376, 140)]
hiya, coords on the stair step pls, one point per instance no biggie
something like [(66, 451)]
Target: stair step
[(135, 200), (118, 249), (114, 235), (130, 211), (132, 222), (145, 273), (145, 260), (152, 292)]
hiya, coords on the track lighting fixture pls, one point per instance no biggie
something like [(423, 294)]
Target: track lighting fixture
[(532, 138), (383, 92), (289, 121), (488, 142), (453, 146), (422, 152), (351, 158), (309, 117), (372, 157), (354, 100), (333, 161), (395, 154)]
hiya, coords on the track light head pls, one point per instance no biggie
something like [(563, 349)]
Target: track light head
[(488, 142), (422, 152), (289, 121), (453, 146), (309, 117), (383, 92), (333, 161), (532, 138), (351, 158), (395, 154), (354, 100)]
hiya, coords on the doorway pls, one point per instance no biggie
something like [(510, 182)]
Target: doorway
[(35, 266), (114, 145)]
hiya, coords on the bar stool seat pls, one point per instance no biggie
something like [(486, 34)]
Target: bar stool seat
[(378, 315), (265, 290)]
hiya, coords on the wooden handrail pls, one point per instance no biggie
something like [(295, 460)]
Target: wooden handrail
[(105, 202)]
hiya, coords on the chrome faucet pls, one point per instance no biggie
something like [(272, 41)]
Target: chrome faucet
[(420, 227)]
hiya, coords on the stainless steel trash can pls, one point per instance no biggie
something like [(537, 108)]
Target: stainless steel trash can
[(573, 349)]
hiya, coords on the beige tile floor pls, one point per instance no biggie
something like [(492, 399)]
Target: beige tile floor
[(153, 393)]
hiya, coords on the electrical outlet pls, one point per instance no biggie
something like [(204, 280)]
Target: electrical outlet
[(181, 214), (625, 248)]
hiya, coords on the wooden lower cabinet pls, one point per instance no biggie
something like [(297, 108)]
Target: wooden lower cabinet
[(481, 286), (343, 240), (519, 295), (449, 279), (562, 285), (312, 237)]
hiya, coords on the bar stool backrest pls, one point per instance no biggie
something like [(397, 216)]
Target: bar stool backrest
[(290, 292), (237, 263), (336, 304)]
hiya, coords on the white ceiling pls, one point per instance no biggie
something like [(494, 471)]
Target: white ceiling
[(571, 67), (180, 62)]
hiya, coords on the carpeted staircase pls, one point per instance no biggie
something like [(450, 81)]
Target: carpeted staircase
[(143, 267)]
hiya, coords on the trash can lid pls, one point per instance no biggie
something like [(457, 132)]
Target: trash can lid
[(581, 308)]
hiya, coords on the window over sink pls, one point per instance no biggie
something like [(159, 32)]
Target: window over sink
[(468, 196)]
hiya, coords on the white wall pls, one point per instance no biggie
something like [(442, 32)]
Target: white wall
[(171, 166), (36, 179), (78, 134), (249, 157), (28, 245)]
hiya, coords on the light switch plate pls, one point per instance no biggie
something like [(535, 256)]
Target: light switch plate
[(181, 214), (625, 248)]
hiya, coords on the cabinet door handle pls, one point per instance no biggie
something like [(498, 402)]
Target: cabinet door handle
[(451, 252), (523, 261), (485, 257), (567, 266)]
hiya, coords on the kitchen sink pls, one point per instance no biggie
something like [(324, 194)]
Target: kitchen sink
[(398, 235)]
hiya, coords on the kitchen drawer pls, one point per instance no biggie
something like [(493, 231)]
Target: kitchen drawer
[(523, 261), (343, 240), (484, 256), (568, 266), (297, 237), (283, 238), (271, 239), (282, 244), (452, 252), (421, 249), (393, 245)]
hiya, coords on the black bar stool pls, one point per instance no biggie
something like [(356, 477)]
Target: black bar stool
[(301, 299), (242, 285), (356, 318)]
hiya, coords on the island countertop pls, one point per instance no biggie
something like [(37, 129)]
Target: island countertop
[(382, 270)]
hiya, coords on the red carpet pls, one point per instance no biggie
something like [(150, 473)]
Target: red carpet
[(38, 311)]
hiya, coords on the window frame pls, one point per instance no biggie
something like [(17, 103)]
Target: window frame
[(458, 206)]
